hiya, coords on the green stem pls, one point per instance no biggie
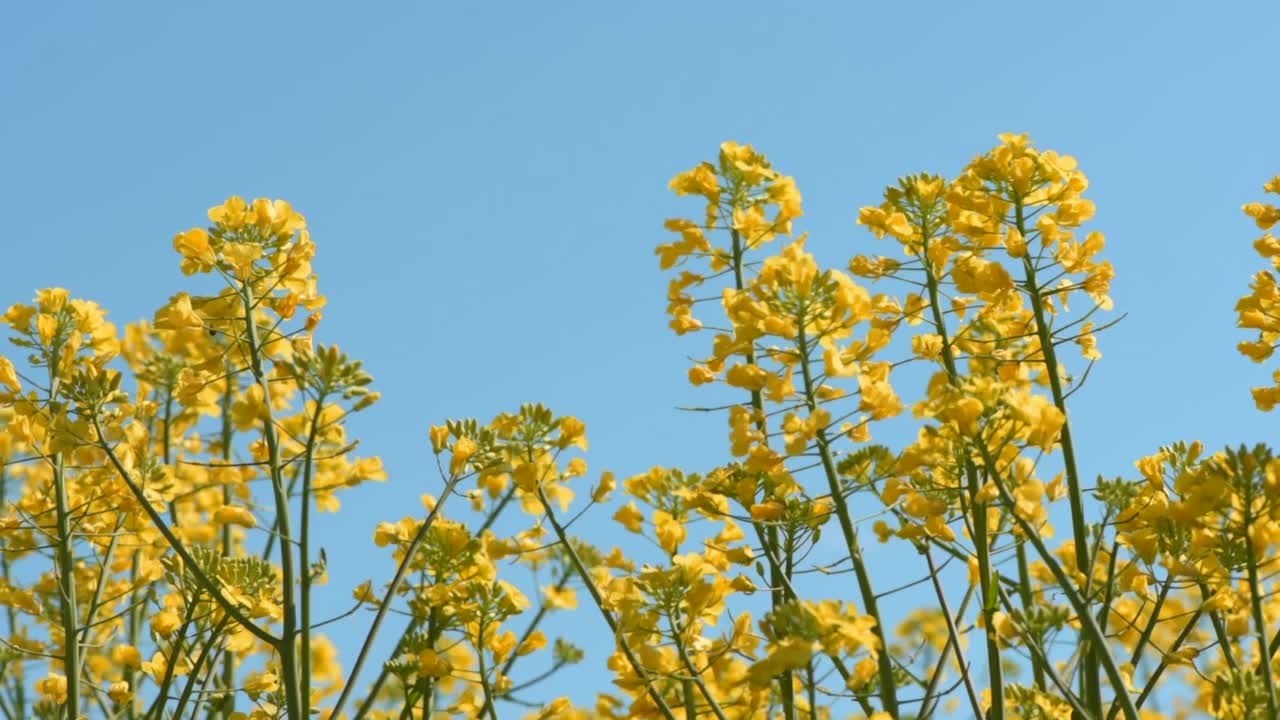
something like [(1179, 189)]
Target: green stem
[(1255, 601), (981, 531), (1219, 629), (1024, 592), (888, 686), (1088, 623), (173, 657), (96, 602), (19, 688), (385, 606), (367, 705), (66, 567), (678, 638), (304, 556), (608, 616), (1039, 652), (1164, 663), (484, 675), (228, 680), (770, 534), (135, 633), (287, 647), (189, 562), (1075, 493), (929, 703), (953, 635), (193, 676)]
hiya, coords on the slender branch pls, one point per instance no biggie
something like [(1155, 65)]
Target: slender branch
[(608, 616), (385, 605)]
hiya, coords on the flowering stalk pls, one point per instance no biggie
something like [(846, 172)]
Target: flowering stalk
[(287, 647), (1075, 494), (978, 507), (768, 534)]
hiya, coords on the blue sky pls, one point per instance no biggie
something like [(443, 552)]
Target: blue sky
[(486, 183)]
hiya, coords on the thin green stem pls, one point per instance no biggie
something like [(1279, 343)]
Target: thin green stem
[(677, 637), (304, 556), (1255, 601), (228, 679), (888, 686), (287, 647), (189, 562), (770, 534), (1088, 623), (65, 555), (978, 509), (385, 606), (953, 635), (1075, 493), (609, 620)]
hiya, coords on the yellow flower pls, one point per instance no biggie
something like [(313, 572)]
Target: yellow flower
[(433, 664), (51, 300), (46, 328), (439, 438), (119, 692), (972, 274), (630, 517), (671, 532), (197, 255), (234, 515), (771, 510), (560, 599), (606, 486), (533, 643), (165, 622), (53, 687), (747, 377), (364, 593), (463, 450), (178, 315), (9, 375), (928, 346), (788, 654), (572, 432), (241, 257), (230, 214), (126, 656), (257, 683)]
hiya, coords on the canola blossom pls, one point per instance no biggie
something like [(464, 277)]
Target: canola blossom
[(158, 484)]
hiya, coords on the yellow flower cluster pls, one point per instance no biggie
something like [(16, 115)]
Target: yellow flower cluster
[(158, 487)]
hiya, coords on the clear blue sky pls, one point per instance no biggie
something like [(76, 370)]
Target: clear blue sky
[(486, 183)]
